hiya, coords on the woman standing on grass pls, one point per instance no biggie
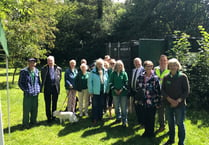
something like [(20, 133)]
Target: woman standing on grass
[(118, 84), (148, 96), (110, 97), (97, 87), (175, 89), (81, 87), (70, 75)]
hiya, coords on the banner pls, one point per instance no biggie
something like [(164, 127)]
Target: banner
[(3, 40)]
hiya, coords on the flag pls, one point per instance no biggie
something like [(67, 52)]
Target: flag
[(3, 40)]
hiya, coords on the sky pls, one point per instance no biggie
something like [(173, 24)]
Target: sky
[(122, 1)]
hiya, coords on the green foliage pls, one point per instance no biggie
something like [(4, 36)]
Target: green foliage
[(157, 18), (180, 49), (199, 73), (30, 30), (81, 34)]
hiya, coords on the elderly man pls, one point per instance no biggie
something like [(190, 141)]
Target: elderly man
[(29, 82), (51, 75), (137, 71)]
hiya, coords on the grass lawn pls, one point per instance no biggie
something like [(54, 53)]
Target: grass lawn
[(83, 132)]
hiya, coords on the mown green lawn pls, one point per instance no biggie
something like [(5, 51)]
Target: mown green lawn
[(84, 132)]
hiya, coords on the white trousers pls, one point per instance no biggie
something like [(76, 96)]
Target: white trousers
[(83, 97)]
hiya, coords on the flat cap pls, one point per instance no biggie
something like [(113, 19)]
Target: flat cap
[(32, 59)]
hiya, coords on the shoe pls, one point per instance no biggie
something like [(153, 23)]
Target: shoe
[(150, 135), (169, 142), (33, 124), (141, 127), (144, 135), (81, 114), (25, 126), (124, 125), (49, 120), (94, 121), (161, 129), (86, 114), (117, 121)]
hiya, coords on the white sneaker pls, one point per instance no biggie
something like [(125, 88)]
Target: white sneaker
[(86, 114), (81, 114)]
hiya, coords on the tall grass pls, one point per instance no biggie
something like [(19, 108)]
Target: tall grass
[(84, 132)]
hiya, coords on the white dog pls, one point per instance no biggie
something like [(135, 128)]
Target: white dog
[(65, 116)]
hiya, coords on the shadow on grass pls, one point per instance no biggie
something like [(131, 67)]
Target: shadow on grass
[(73, 127), (3, 85), (19, 127), (137, 139), (199, 118), (116, 131), (9, 74)]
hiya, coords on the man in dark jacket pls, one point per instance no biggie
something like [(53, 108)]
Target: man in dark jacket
[(51, 75), (29, 82), (137, 71)]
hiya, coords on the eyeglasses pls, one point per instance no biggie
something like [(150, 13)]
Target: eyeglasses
[(148, 66)]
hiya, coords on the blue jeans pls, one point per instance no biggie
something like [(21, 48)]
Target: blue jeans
[(176, 115), (97, 107), (120, 103)]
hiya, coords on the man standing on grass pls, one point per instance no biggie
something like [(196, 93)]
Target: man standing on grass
[(137, 71), (29, 82), (161, 71), (51, 75)]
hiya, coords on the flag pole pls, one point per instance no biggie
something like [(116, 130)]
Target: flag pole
[(8, 98), (1, 127)]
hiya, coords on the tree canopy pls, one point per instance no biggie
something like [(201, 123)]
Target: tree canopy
[(81, 28)]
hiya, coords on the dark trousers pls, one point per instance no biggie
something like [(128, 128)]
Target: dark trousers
[(139, 113), (97, 107), (161, 115), (50, 97), (110, 99), (149, 120), (30, 109), (139, 108), (105, 101)]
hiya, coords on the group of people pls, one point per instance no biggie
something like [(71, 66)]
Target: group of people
[(32, 83), (154, 89)]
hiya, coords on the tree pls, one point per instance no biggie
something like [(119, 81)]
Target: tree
[(199, 73), (81, 34), (157, 18), (30, 30)]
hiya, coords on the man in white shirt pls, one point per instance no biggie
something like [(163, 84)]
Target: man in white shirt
[(135, 74)]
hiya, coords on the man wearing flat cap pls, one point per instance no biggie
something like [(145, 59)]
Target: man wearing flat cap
[(29, 82)]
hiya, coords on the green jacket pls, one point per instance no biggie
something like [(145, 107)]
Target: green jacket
[(81, 81), (119, 81)]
